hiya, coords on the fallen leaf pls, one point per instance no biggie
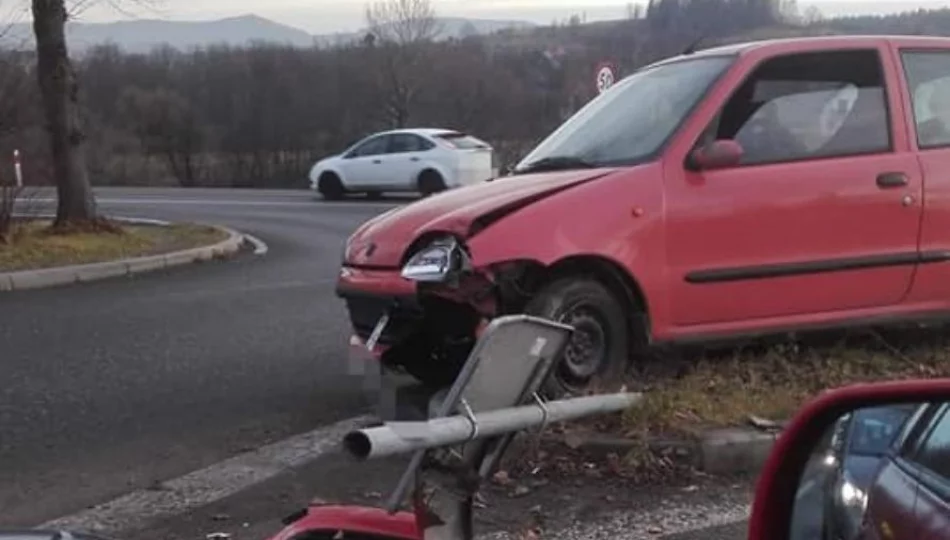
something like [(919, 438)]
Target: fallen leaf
[(573, 440), (520, 491), (501, 478)]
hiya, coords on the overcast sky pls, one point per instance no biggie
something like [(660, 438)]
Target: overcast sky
[(324, 16)]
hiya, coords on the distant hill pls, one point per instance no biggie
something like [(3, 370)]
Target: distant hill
[(447, 27), (142, 35)]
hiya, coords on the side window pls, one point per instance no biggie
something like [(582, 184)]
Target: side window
[(928, 78), (371, 147), (934, 451), (407, 142), (809, 106)]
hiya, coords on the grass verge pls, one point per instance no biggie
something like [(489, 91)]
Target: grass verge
[(773, 382), (687, 392), (34, 245)]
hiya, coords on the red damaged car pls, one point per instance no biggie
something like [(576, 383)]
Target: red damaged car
[(747, 189)]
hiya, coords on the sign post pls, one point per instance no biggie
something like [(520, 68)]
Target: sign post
[(18, 170), (605, 76)]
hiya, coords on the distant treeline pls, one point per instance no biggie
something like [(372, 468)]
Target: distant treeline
[(258, 116)]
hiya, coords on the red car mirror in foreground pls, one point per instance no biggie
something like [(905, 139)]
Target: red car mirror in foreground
[(864, 462)]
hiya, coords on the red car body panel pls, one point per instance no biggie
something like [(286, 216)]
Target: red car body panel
[(454, 211), (375, 281), (352, 519), (626, 227), (783, 214)]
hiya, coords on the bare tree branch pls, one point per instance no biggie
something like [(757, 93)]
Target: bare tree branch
[(403, 22)]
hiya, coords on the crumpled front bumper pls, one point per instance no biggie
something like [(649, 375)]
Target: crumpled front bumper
[(369, 294)]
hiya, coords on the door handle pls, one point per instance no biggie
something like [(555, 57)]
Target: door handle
[(413, 159), (377, 161), (891, 180)]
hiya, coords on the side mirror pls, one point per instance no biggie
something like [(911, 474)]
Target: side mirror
[(718, 154), (802, 496)]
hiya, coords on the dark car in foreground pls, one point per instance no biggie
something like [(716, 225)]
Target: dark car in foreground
[(858, 446), (910, 496)]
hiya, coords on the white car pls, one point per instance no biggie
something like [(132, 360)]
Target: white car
[(423, 160)]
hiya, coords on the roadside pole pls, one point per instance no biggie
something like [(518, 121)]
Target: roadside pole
[(17, 168)]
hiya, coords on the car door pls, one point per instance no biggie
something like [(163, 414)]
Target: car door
[(363, 166), (927, 79), (406, 158), (821, 215)]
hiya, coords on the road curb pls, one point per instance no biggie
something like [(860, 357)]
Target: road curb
[(727, 451), (84, 273)]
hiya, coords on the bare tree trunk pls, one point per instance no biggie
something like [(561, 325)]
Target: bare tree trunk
[(59, 90)]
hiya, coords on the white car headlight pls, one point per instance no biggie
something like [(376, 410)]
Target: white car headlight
[(437, 262), (852, 496)]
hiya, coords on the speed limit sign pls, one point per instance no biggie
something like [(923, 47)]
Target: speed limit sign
[(605, 77)]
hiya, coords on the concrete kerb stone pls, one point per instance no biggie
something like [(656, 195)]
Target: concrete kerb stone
[(727, 451), (65, 275)]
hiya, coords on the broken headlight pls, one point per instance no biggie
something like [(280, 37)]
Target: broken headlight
[(438, 262)]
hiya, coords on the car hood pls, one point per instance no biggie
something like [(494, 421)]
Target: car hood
[(382, 241)]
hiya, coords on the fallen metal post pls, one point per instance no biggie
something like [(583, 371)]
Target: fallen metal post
[(402, 437), (494, 396)]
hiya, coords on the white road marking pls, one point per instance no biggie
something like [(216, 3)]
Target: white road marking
[(173, 497), (216, 202), (260, 248)]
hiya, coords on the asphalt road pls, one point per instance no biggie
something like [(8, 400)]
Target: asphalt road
[(116, 385)]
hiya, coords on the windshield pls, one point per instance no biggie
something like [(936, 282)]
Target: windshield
[(633, 119), (875, 428)]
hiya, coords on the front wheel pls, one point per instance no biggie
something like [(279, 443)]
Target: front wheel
[(598, 350), (330, 186), (430, 183)]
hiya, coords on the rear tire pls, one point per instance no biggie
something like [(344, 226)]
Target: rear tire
[(330, 186), (430, 183), (598, 352)]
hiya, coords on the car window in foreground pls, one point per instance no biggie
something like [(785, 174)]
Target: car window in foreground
[(633, 119), (934, 454), (462, 141), (875, 429)]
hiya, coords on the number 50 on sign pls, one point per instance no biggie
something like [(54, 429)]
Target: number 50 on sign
[(605, 76)]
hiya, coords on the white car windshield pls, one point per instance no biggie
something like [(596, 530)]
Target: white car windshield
[(632, 120)]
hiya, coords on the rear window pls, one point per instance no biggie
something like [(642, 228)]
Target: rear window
[(462, 141)]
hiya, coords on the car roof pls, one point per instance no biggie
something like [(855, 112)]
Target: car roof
[(796, 44), (431, 132)]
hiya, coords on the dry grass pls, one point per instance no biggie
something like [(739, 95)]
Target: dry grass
[(773, 382), (34, 244), (688, 392)]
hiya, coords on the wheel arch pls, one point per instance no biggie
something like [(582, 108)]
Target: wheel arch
[(438, 168), (614, 277), (332, 171), (606, 271)]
